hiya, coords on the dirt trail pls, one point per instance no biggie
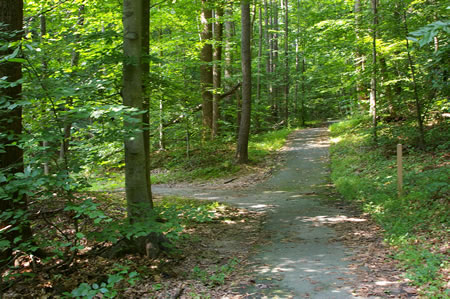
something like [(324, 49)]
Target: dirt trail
[(300, 257)]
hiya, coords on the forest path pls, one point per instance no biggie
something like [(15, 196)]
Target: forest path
[(299, 256)]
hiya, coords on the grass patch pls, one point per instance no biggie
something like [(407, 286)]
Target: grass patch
[(213, 160), (415, 224), (262, 145)]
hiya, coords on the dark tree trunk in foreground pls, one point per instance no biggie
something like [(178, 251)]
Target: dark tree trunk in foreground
[(145, 31), (244, 129), (11, 155), (137, 185), (206, 69)]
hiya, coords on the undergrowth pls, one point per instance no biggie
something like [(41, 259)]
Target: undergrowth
[(101, 223), (211, 160), (416, 223)]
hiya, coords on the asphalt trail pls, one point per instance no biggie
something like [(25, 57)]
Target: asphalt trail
[(299, 258)]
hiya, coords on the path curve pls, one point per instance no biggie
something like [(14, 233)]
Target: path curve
[(299, 258)]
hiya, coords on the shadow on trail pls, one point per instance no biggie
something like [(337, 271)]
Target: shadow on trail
[(297, 257)]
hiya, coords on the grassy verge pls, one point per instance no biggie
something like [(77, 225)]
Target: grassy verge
[(416, 224), (212, 160)]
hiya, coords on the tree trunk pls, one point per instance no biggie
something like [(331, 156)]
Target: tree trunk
[(145, 45), (258, 78), (244, 129), (42, 33), (269, 54), (302, 103), (206, 69), (359, 56), (275, 68), (373, 81), (137, 183), (217, 69), (11, 154), (228, 48), (297, 69), (286, 62)]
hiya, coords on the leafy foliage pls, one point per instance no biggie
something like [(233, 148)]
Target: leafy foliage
[(413, 222)]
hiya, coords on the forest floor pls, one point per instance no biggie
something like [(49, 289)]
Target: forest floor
[(309, 243), (282, 232)]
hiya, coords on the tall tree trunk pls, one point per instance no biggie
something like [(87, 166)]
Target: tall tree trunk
[(275, 66), (145, 45), (161, 140), (217, 69), (11, 154), (297, 69), (228, 67), (268, 52), (297, 58), (43, 32), (206, 69), (359, 56), (259, 71), (286, 62), (373, 81), (137, 183), (421, 141), (229, 33), (244, 129), (302, 103)]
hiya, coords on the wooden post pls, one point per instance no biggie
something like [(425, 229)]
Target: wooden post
[(399, 170)]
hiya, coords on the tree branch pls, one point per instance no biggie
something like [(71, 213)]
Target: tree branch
[(231, 91)]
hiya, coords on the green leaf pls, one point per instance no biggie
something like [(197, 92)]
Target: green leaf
[(80, 235)]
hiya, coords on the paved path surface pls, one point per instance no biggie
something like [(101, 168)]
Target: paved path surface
[(299, 260)]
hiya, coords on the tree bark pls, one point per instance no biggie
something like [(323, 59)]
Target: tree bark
[(244, 129), (217, 70), (145, 44), (42, 33), (267, 22), (206, 69), (275, 67), (11, 154), (373, 81), (137, 184), (286, 61), (302, 102), (258, 78), (361, 97)]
